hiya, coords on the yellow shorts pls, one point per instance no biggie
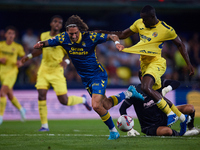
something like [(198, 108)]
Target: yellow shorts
[(9, 78), (156, 68), (52, 77)]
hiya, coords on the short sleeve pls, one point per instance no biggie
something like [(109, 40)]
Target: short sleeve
[(134, 27)]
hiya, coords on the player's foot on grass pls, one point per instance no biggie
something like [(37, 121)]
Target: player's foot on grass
[(1, 120), (114, 136), (171, 119), (86, 104), (42, 129), (184, 125), (135, 94), (191, 132), (23, 114)]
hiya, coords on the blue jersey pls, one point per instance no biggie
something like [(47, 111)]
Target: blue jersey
[(82, 53)]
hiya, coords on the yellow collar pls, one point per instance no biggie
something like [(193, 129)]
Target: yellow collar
[(79, 39)]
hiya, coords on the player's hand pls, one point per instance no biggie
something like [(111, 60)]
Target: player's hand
[(191, 69), (119, 47), (24, 59), (63, 64), (38, 45), (19, 63), (132, 132), (3, 60)]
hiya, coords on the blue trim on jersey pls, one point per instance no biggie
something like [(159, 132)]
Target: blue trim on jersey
[(165, 25)]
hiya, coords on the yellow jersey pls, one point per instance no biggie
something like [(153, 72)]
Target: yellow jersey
[(11, 53), (51, 56), (151, 40)]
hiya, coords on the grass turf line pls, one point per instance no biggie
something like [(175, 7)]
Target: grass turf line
[(85, 134)]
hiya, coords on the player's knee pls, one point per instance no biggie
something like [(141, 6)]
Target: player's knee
[(145, 89), (42, 97), (164, 131), (190, 108), (95, 107), (63, 102), (63, 99)]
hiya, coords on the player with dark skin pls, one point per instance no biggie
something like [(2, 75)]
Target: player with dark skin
[(150, 22)]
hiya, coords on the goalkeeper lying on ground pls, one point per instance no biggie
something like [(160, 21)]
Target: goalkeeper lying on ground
[(152, 120)]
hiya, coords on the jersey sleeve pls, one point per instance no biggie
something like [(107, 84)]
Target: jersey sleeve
[(21, 51), (98, 37), (170, 33), (55, 41), (134, 27)]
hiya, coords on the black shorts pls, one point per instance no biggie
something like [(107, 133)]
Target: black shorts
[(152, 131)]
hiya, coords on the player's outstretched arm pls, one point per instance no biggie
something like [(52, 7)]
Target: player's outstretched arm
[(35, 53), (121, 34), (177, 41), (115, 39), (41, 44)]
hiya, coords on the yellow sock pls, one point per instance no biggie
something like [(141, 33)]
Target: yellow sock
[(42, 105), (2, 105), (73, 100), (16, 103), (162, 105), (176, 111)]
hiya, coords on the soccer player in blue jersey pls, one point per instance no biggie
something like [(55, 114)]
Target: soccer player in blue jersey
[(80, 46), (51, 73), (153, 33)]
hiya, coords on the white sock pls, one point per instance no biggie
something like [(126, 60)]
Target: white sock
[(113, 129), (171, 113), (84, 100), (128, 94), (182, 118), (45, 125)]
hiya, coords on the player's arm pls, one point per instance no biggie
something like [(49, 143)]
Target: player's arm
[(41, 44), (115, 39), (65, 62), (35, 53), (177, 41), (125, 105), (121, 34)]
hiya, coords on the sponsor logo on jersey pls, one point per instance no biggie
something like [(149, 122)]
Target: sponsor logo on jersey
[(155, 34), (148, 52)]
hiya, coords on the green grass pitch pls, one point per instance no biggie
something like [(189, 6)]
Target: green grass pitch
[(85, 135)]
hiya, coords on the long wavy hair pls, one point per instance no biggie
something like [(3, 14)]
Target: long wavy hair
[(74, 21)]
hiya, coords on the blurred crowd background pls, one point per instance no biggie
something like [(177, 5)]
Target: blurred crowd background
[(32, 17)]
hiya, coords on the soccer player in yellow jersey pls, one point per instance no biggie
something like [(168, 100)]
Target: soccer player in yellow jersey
[(51, 72), (153, 33), (9, 53)]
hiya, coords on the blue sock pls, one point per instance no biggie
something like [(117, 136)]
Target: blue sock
[(117, 98)]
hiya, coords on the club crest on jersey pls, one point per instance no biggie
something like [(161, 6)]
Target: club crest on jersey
[(83, 43), (155, 34)]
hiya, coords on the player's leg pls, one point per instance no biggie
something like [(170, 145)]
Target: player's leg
[(60, 87), (74, 100), (116, 99), (180, 114), (16, 103), (97, 104), (189, 109), (3, 101), (166, 131), (42, 107), (151, 81)]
